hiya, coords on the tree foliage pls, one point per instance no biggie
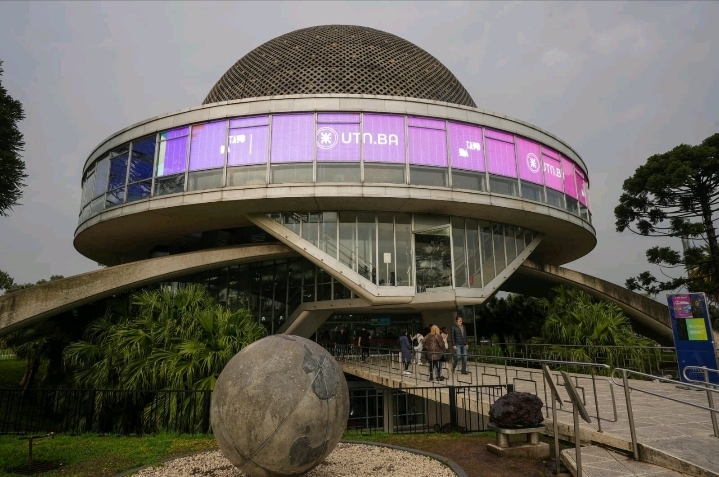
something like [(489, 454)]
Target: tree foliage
[(165, 341), (675, 194), (584, 330), (516, 318), (12, 167)]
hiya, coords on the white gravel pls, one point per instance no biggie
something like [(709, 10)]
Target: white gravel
[(347, 460)]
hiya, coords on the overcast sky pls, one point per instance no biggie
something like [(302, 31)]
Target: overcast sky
[(617, 81)]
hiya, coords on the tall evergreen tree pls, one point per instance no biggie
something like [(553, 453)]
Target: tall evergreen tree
[(12, 167)]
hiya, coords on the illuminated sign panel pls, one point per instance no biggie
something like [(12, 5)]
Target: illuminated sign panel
[(582, 187), (570, 187), (500, 153), (338, 137), (465, 147), (247, 141), (383, 138), (293, 138), (172, 156), (207, 150), (427, 142), (529, 161), (552, 172)]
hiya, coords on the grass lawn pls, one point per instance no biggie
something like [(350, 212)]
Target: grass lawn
[(11, 372), (103, 456)]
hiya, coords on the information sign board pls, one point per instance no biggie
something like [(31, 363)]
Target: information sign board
[(693, 338)]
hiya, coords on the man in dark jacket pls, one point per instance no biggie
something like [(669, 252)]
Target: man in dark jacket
[(459, 343), (363, 342), (343, 340)]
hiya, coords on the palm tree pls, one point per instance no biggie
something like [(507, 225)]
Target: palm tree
[(167, 341)]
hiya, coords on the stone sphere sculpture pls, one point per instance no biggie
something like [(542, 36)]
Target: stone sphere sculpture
[(279, 407)]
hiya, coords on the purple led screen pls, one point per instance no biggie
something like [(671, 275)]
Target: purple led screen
[(293, 138), (172, 157), (427, 147), (502, 136), (425, 123), (569, 186), (207, 149), (500, 158), (383, 138), (174, 133), (550, 152), (529, 161), (249, 122), (465, 147), (334, 118), (581, 187), (338, 142), (247, 146), (553, 173)]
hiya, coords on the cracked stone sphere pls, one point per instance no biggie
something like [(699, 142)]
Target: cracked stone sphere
[(279, 407)]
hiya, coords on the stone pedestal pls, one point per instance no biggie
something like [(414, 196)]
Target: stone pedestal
[(532, 448)]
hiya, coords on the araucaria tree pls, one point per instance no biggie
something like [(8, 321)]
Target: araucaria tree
[(12, 167), (675, 194)]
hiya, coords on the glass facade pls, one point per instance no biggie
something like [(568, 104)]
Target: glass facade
[(430, 252), (337, 148)]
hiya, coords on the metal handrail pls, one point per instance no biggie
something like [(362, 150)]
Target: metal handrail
[(703, 369), (377, 357), (630, 413)]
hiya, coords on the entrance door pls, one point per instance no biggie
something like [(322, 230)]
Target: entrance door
[(433, 260)]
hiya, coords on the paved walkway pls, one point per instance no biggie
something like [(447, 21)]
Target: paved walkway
[(600, 462), (671, 434)]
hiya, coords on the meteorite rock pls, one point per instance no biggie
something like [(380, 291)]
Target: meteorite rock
[(517, 411)]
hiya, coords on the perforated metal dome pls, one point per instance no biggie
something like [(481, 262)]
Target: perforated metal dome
[(339, 59)]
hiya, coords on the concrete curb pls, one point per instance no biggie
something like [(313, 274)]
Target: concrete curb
[(449, 463)]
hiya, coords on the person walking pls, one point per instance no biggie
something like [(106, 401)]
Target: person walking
[(443, 361), (435, 350), (363, 343), (343, 340), (406, 347), (459, 343), (418, 341)]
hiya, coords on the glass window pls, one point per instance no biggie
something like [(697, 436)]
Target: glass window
[(115, 197), (291, 173), (118, 171), (310, 227), (572, 205), (487, 245), (498, 239), (308, 282), (247, 175), (403, 237), (102, 171), (348, 238), (510, 245), (458, 248), (328, 233), (385, 232), (433, 260), (172, 156), (339, 172), (501, 185), (474, 260), (384, 173), (88, 188), (428, 222), (97, 206), (428, 176), (532, 192), (139, 191), (468, 180), (292, 222), (170, 185), (519, 239), (583, 212), (200, 180), (555, 198), (143, 157), (207, 147), (366, 246)]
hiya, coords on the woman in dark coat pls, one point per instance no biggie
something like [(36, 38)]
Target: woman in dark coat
[(406, 346), (435, 350)]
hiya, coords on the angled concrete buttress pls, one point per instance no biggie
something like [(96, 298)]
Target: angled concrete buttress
[(25, 307)]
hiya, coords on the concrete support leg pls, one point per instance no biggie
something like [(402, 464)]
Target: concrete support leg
[(388, 411)]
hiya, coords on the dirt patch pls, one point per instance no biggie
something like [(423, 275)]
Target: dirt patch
[(470, 452)]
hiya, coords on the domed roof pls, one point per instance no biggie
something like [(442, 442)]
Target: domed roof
[(341, 59)]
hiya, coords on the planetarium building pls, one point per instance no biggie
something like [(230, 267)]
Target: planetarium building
[(355, 180)]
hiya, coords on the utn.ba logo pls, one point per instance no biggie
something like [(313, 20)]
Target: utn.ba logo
[(533, 163), (327, 138)]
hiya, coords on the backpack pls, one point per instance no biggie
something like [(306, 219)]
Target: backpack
[(415, 341)]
